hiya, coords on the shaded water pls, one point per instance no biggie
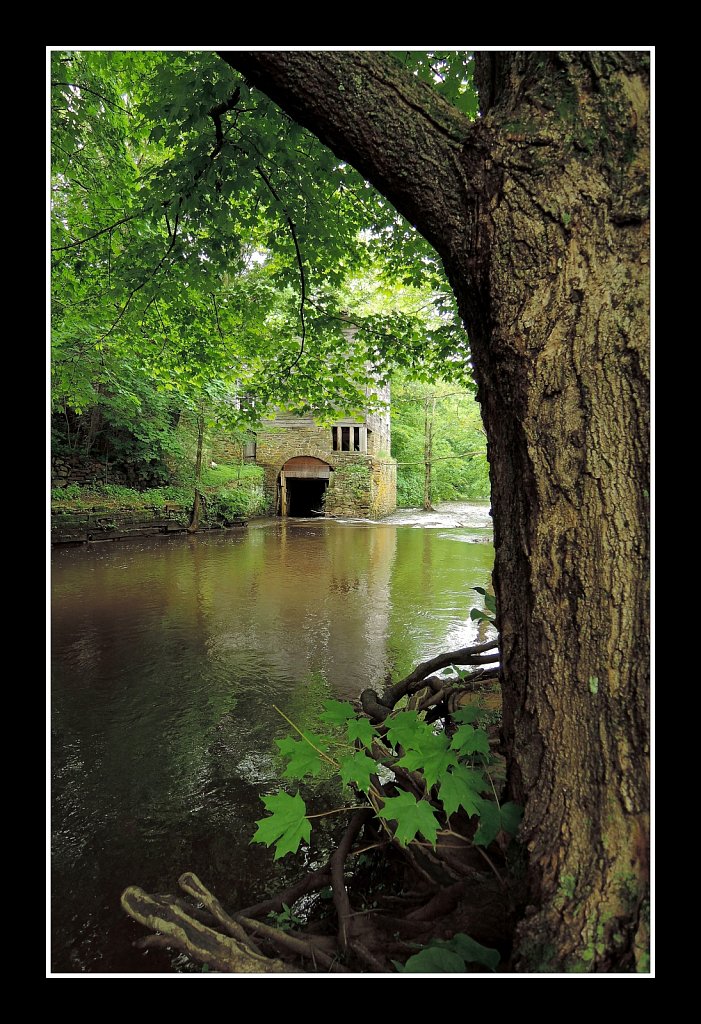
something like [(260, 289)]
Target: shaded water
[(168, 654)]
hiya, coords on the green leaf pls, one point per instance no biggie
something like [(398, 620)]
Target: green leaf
[(490, 602), (480, 590), (479, 616), (412, 816), (461, 787), (468, 740), (408, 730), (304, 760), (433, 960), (337, 712), (511, 815), (360, 729), (490, 823), (473, 952), (434, 758), (286, 827), (468, 714), (358, 768)]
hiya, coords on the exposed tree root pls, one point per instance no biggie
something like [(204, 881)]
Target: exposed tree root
[(377, 706)]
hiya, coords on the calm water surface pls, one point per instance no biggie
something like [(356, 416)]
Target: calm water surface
[(168, 654)]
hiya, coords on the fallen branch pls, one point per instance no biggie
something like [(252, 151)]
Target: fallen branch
[(303, 947), (191, 884), (204, 944)]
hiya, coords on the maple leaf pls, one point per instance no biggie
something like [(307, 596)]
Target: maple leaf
[(337, 712), (304, 759), (412, 816), (358, 768), (408, 730), (433, 758), (468, 740), (286, 827), (469, 714), (360, 729), (461, 787)]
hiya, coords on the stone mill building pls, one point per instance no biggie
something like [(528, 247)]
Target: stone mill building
[(340, 470)]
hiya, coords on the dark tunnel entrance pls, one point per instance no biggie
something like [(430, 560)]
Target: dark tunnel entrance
[(302, 483), (305, 497)]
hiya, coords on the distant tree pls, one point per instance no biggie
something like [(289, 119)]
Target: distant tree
[(439, 443)]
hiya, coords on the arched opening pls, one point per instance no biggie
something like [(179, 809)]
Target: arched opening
[(302, 485)]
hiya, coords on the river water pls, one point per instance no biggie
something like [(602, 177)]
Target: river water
[(168, 654)]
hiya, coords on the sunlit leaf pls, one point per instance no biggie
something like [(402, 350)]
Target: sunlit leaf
[(304, 759), (287, 826), (461, 787), (357, 768), (360, 729), (468, 740), (337, 712), (433, 758), (412, 816)]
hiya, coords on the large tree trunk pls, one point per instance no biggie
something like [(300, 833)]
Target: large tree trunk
[(539, 211)]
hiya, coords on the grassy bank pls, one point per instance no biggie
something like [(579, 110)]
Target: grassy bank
[(229, 491)]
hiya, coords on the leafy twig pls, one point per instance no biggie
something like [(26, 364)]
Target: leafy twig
[(306, 738)]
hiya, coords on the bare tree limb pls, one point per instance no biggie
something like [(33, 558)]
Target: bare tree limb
[(96, 234)]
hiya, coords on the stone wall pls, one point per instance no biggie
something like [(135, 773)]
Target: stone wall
[(379, 434), (350, 488), (384, 488), (68, 469)]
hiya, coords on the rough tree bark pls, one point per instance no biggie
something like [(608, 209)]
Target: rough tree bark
[(539, 210)]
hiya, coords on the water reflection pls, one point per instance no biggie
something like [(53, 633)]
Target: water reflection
[(167, 657)]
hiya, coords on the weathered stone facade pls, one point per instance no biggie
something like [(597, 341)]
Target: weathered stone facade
[(362, 481)]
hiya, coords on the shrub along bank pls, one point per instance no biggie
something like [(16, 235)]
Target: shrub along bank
[(230, 492)]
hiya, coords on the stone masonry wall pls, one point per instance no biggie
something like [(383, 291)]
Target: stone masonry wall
[(384, 488), (67, 469), (350, 489), (359, 487)]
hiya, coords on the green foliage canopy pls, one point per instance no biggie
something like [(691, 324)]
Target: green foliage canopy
[(204, 242)]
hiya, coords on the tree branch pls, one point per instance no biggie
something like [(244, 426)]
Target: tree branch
[(353, 102), (379, 707), (96, 234), (84, 88)]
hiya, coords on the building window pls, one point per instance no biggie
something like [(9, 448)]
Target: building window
[(348, 439)]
